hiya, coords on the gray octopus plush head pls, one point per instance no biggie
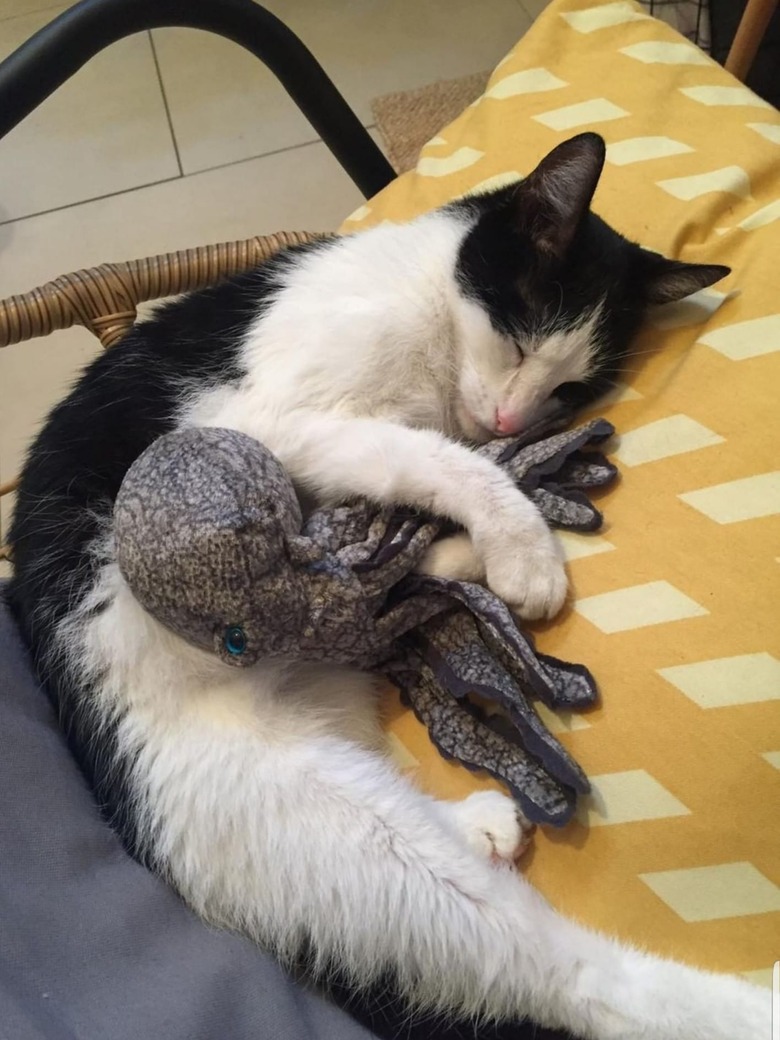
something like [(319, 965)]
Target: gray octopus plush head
[(211, 540), (207, 528)]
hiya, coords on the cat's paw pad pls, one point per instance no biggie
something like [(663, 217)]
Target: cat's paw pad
[(493, 826)]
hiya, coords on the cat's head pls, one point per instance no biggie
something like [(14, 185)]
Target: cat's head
[(549, 296)]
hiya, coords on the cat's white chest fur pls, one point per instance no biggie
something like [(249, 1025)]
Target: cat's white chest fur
[(355, 336)]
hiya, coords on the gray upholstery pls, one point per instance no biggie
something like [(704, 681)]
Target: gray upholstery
[(93, 946)]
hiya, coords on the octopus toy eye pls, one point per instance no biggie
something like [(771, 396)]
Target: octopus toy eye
[(234, 640)]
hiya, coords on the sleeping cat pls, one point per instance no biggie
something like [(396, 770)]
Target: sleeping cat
[(368, 364)]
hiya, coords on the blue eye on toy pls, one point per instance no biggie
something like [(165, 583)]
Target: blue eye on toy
[(235, 640)]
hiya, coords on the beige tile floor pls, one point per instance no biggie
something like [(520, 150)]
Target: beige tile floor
[(174, 138)]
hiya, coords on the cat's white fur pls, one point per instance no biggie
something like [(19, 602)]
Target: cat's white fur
[(265, 793), (369, 368)]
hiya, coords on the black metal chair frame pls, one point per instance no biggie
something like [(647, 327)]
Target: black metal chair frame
[(56, 52)]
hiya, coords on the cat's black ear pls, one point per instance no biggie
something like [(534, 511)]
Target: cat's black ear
[(551, 201), (666, 281)]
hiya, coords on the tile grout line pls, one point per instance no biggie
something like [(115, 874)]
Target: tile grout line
[(94, 198), (167, 180), (174, 142), (251, 158), (276, 151)]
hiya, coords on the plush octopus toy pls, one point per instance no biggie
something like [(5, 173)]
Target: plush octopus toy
[(211, 540)]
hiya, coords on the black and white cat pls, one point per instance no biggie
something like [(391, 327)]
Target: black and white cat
[(367, 364)]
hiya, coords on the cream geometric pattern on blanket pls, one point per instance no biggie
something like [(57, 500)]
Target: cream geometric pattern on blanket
[(589, 19), (715, 96), (694, 310), (709, 893), (762, 216), (654, 603), (529, 81), (771, 131), (663, 53), (626, 798), (745, 499), (726, 681), (640, 149), (676, 603), (730, 178), (745, 339), (663, 438), (586, 113), (440, 166)]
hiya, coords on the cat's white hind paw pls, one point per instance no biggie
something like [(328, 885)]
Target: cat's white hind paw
[(493, 826)]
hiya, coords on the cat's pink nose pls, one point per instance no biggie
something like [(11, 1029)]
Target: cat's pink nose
[(508, 422)]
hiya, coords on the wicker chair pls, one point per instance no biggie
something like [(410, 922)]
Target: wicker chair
[(105, 299)]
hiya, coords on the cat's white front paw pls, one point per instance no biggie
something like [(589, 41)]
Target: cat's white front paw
[(528, 573), (493, 825), (453, 557)]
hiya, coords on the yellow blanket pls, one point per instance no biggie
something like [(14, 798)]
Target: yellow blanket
[(675, 605)]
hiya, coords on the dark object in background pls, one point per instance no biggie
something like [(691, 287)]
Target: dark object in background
[(712, 25), (689, 17), (764, 76)]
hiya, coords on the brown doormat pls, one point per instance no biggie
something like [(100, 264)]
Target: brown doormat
[(410, 118)]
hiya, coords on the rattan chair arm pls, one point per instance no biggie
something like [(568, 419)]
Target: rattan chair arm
[(104, 299)]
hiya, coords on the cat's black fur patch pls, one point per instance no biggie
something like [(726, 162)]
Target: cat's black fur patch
[(500, 269), (538, 260), (124, 400)]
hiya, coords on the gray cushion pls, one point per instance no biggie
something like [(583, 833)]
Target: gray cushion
[(92, 945)]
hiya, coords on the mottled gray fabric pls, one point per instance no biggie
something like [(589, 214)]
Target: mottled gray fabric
[(478, 740), (210, 538), (207, 533)]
